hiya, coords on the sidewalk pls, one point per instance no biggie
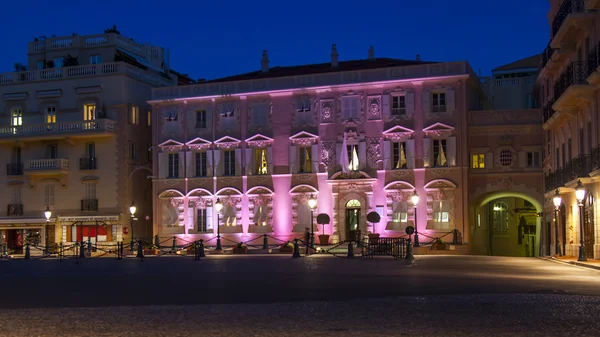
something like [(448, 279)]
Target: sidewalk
[(572, 260)]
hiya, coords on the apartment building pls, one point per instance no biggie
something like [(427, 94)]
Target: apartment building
[(567, 86), (75, 132), (511, 85)]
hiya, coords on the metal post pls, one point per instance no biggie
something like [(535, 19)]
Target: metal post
[(140, 251), (132, 236), (556, 238), (265, 242), (296, 249), (27, 251), (201, 249), (46, 249), (582, 256), (416, 244), (219, 248), (119, 250), (89, 244), (409, 253), (455, 236), (350, 250), (312, 229), (82, 250), (60, 251)]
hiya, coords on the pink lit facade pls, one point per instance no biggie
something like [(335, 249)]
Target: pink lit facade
[(265, 144)]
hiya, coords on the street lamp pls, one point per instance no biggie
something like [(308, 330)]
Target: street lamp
[(132, 210), (557, 201), (47, 214), (580, 194), (218, 207), (415, 201), (312, 203)]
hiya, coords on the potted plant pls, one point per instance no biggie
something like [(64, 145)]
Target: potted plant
[(439, 244), (240, 248), (373, 217), (287, 247), (152, 250), (323, 219)]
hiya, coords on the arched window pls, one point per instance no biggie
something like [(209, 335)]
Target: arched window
[(353, 204), (500, 217)]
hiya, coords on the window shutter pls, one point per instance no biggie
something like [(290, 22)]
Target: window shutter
[(209, 163), (190, 223), (427, 152), (191, 160), (270, 160), (338, 153), (425, 101), (249, 162), (522, 159), (387, 154), (209, 219), (181, 165), (451, 151), (293, 159), (163, 167), (238, 161), (410, 153), (450, 100), (218, 163), (489, 160), (385, 104), (362, 155), (410, 103), (314, 157)]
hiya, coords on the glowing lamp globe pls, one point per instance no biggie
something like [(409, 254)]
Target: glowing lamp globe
[(312, 202), (579, 192), (557, 199), (132, 209), (218, 205), (415, 198), (47, 213)]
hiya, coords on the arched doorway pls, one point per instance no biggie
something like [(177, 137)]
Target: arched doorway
[(506, 224), (353, 219)]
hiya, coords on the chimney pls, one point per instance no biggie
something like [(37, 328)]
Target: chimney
[(418, 57), (334, 56), (371, 53), (265, 61)]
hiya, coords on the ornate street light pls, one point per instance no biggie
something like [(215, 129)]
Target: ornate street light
[(557, 200), (580, 194), (218, 207), (312, 203), (132, 210), (415, 200)]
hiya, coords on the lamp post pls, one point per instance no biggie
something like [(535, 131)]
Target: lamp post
[(132, 210), (580, 194), (218, 207), (312, 203), (47, 214), (415, 201), (557, 201)]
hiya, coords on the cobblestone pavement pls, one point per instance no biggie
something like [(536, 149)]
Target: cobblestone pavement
[(280, 296)]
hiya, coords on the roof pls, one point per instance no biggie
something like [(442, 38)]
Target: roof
[(528, 62), (321, 68)]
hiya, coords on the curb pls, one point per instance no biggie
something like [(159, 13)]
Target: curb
[(571, 263)]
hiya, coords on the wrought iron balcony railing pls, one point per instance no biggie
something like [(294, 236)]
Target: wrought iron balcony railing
[(86, 164), (567, 7), (575, 73), (548, 111), (593, 60), (89, 205), (14, 169), (14, 209), (546, 56)]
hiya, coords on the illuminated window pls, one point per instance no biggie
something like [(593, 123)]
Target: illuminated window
[(51, 115), (149, 118), (441, 214), (134, 115), (305, 164), (439, 153), (17, 118), (399, 154), (478, 161), (500, 216), (400, 211), (353, 162), (353, 204), (260, 158), (89, 112)]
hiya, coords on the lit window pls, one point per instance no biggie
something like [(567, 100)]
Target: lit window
[(89, 112), (441, 214), (400, 212), (305, 164), (17, 117), (500, 211), (260, 158), (478, 161), (439, 153), (51, 115), (134, 117), (353, 164), (149, 118), (399, 154)]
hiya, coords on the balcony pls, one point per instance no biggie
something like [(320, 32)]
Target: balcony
[(14, 209), (571, 85), (87, 164), (568, 21), (89, 205), (88, 41), (546, 56), (548, 111), (594, 63), (577, 168), (15, 169), (592, 4), (47, 166), (74, 130)]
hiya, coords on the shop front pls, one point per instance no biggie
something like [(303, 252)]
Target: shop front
[(14, 236), (95, 229)]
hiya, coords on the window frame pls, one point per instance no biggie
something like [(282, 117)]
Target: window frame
[(172, 165), (229, 163), (437, 98), (401, 109), (478, 161), (201, 165)]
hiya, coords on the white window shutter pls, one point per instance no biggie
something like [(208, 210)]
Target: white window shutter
[(451, 151), (426, 101), (181, 164), (489, 160), (209, 219), (385, 104), (293, 159), (338, 153), (218, 163), (163, 165), (410, 153), (362, 155), (522, 159), (314, 157), (387, 155), (190, 158), (450, 100), (191, 216), (270, 160), (427, 152), (410, 103), (209, 163), (238, 161), (249, 161)]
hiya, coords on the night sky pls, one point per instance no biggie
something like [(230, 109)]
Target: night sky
[(209, 39)]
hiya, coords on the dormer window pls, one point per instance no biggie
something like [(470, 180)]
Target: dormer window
[(303, 104), (170, 116)]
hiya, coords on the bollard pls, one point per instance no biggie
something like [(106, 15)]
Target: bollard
[(27, 251), (265, 242), (174, 246), (60, 251), (2, 250), (156, 242), (82, 250), (140, 251), (89, 246), (455, 237), (409, 254), (201, 249), (350, 250), (296, 249), (119, 250)]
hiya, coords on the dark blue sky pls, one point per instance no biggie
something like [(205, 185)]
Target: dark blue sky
[(209, 39)]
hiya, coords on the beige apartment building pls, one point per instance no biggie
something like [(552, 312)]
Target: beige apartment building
[(568, 83), (75, 135)]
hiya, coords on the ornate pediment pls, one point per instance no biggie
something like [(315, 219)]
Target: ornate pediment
[(399, 186), (259, 190), (440, 184), (302, 189), (304, 138), (199, 144), (171, 146), (228, 191), (227, 143), (168, 194), (438, 131), (199, 192), (398, 134), (259, 140)]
